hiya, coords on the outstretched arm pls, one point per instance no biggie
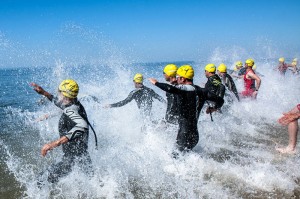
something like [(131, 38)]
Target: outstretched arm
[(166, 87), (123, 102), (158, 97), (41, 91)]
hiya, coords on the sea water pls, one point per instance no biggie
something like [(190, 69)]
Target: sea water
[(235, 156)]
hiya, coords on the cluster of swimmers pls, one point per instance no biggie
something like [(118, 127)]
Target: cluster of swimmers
[(185, 101)]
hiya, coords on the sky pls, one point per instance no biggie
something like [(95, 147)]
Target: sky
[(42, 32)]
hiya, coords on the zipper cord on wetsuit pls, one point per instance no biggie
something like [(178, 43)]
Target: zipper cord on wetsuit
[(96, 139), (209, 107)]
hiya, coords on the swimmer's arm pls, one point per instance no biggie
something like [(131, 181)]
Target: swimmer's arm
[(53, 145), (169, 88), (257, 79), (123, 102), (41, 91), (158, 97)]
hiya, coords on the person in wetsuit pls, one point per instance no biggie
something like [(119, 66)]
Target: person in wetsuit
[(290, 119), (73, 131), (238, 70), (188, 136), (172, 112), (213, 85), (251, 89), (142, 95), (227, 80)]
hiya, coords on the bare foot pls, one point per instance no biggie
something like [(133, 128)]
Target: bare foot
[(286, 150)]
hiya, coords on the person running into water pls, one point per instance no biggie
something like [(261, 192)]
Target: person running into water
[(282, 66), (172, 112), (290, 119), (214, 84), (142, 95), (251, 89), (294, 66), (73, 131), (238, 70), (187, 137), (227, 80)]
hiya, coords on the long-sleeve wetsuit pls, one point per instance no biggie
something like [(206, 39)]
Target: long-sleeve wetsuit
[(214, 86), (242, 71), (187, 137), (143, 97), (229, 83), (204, 95), (73, 124), (172, 112)]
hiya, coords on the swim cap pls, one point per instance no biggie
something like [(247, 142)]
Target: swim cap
[(170, 70), (294, 62), (250, 62), (210, 68), (138, 78), (69, 88), (239, 63), (222, 68), (281, 59), (186, 71)]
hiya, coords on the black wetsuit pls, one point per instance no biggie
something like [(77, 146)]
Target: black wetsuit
[(204, 95), (172, 113), (73, 124), (143, 97), (242, 71), (188, 136), (214, 86), (229, 83)]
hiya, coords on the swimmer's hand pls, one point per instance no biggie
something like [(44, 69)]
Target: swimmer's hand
[(37, 88), (40, 90), (210, 110), (152, 80)]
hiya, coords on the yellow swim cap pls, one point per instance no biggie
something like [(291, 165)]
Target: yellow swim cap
[(281, 59), (294, 62), (222, 68), (138, 78), (239, 64), (250, 62), (69, 88), (186, 71), (170, 70), (210, 68)]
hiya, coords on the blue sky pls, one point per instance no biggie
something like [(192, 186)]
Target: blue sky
[(40, 32)]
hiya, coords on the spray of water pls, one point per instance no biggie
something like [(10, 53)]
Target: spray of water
[(235, 156)]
